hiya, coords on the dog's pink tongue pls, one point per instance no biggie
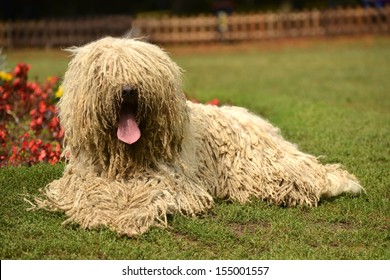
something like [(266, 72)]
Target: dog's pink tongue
[(128, 130)]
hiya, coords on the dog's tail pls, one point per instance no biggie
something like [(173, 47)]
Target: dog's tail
[(340, 181)]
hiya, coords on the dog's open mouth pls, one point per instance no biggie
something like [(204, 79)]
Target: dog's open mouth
[(128, 130)]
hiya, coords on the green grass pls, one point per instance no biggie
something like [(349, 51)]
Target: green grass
[(44, 63), (330, 100)]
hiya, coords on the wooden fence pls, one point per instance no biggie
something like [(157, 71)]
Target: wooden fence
[(199, 29), (60, 32), (349, 21)]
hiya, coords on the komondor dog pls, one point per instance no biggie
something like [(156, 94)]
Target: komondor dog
[(138, 151)]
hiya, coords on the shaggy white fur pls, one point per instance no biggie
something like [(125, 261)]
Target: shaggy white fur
[(139, 151)]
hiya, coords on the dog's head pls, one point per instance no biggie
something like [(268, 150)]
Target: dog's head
[(123, 102)]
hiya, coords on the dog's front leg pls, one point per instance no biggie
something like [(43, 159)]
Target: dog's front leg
[(129, 206)]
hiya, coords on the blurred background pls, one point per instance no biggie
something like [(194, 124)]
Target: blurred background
[(43, 23)]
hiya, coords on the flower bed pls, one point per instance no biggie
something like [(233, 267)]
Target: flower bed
[(29, 126)]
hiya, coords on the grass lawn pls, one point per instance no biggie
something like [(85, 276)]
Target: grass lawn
[(332, 99), (44, 63)]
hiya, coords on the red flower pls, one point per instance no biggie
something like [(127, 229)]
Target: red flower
[(42, 107), (54, 122), (21, 70), (42, 155), (2, 135), (215, 102)]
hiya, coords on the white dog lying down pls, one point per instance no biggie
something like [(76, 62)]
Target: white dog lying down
[(139, 151)]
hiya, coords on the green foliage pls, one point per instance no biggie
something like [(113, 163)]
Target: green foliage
[(332, 101)]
